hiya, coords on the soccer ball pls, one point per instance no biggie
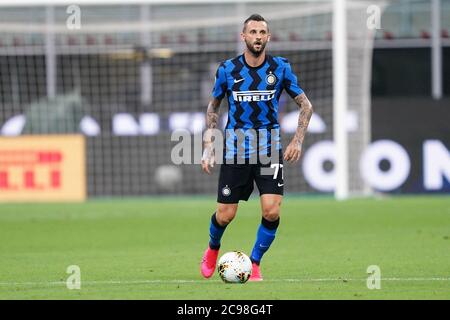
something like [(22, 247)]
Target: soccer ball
[(234, 267)]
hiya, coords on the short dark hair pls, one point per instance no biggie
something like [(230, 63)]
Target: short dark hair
[(254, 17)]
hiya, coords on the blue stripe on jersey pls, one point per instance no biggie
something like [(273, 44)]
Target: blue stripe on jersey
[(245, 86), (232, 107), (253, 95), (263, 142), (263, 109), (230, 138), (290, 82)]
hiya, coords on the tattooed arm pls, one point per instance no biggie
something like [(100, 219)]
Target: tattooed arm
[(294, 149), (212, 118)]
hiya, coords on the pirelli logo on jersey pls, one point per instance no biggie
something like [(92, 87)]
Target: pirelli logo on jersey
[(249, 96)]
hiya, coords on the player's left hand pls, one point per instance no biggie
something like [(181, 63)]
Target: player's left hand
[(293, 151), (208, 158)]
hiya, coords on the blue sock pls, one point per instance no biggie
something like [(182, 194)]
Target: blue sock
[(264, 238), (215, 233)]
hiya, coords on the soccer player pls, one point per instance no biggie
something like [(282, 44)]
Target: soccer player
[(252, 83)]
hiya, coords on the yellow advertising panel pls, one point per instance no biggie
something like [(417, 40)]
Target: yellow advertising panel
[(42, 168)]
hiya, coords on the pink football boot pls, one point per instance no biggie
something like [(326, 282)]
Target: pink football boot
[(256, 273), (209, 262)]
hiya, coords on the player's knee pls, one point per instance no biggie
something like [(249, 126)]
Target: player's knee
[(225, 214), (272, 212)]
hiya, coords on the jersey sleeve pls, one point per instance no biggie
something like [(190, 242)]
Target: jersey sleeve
[(220, 84), (290, 82)]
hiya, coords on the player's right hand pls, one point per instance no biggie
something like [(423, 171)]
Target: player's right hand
[(208, 159)]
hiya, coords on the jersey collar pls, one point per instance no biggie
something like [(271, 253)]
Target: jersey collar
[(257, 67)]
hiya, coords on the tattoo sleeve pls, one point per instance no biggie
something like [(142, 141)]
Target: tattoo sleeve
[(306, 111), (212, 118)]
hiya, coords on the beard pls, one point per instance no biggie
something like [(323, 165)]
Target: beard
[(253, 50)]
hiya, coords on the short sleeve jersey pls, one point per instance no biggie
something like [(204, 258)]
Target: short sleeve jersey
[(253, 94)]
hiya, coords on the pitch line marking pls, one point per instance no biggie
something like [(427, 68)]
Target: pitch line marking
[(126, 282)]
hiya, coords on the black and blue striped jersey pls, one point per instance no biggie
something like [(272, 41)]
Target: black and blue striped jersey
[(253, 94)]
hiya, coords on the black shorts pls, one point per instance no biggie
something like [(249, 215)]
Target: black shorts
[(236, 181)]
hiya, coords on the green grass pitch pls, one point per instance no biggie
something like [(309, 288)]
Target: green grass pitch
[(150, 249)]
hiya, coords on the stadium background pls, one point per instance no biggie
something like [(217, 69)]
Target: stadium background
[(135, 96), (132, 74)]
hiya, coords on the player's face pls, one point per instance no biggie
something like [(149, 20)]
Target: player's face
[(256, 35)]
